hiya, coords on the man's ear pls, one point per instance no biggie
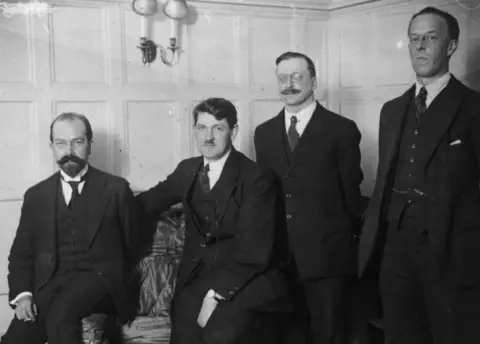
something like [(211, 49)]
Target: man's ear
[(452, 47), (234, 133)]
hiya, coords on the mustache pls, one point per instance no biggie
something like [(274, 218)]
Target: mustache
[(209, 142), (290, 90), (70, 158)]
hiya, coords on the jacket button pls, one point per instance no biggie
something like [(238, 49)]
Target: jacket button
[(288, 195), (289, 216), (209, 235), (202, 245), (231, 292)]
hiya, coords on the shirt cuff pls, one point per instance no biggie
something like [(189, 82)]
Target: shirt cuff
[(19, 296)]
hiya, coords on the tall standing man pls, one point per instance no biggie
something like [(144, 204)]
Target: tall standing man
[(71, 253), (316, 155), (424, 215), (230, 206)]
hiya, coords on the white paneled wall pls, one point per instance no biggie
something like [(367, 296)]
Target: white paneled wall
[(83, 57), (369, 64)]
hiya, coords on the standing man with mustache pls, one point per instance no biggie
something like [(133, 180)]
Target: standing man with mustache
[(71, 253), (424, 215), (316, 156), (230, 221)]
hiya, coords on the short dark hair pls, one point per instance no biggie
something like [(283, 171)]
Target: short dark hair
[(452, 23), (71, 116), (219, 108), (294, 55)]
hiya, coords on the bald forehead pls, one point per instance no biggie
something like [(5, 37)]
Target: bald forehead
[(428, 23), (292, 65), (69, 128)]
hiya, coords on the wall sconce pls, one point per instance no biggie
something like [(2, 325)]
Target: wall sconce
[(175, 10)]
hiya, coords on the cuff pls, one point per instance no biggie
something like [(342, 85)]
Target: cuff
[(19, 296)]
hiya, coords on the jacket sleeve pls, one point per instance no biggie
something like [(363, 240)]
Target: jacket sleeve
[(254, 237), (129, 221), (349, 165), (162, 196), (22, 253)]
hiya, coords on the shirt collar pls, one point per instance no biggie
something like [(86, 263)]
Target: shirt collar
[(77, 178), (435, 87), (302, 114), (217, 165)]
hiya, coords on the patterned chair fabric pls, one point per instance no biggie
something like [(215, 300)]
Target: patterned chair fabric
[(158, 270)]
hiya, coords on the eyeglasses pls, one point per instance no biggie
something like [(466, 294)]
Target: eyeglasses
[(76, 143), (287, 78), (428, 39)]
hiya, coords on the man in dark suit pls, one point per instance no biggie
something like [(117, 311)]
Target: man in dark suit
[(423, 221), (315, 153), (69, 256), (229, 202)]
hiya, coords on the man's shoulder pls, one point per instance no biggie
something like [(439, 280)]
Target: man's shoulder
[(47, 182), (268, 123), (112, 182), (251, 169), (339, 122)]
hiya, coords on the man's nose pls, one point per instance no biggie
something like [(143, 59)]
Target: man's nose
[(209, 134)]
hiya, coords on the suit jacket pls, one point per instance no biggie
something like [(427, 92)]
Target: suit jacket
[(110, 219), (320, 190), (452, 206), (238, 248)]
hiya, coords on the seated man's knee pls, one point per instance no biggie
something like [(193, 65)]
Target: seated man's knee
[(59, 318)]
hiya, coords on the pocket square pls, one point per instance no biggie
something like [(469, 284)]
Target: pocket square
[(456, 142)]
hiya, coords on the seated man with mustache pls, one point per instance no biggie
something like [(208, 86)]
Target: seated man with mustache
[(71, 251), (229, 203)]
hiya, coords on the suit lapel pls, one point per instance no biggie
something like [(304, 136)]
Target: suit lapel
[(444, 108), (314, 133), (277, 146), (226, 184), (49, 201), (197, 165), (394, 127), (95, 202)]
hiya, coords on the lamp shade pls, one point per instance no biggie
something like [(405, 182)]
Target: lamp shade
[(145, 7), (176, 9)]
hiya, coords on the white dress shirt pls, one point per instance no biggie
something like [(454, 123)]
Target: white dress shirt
[(303, 117), (67, 193), (216, 168), (66, 188), (434, 88)]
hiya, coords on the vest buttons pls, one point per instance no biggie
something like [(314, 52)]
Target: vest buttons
[(288, 195), (208, 235), (202, 245), (289, 216)]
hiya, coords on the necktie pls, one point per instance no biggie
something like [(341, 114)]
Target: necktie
[(421, 102), (293, 135), (75, 194), (204, 180)]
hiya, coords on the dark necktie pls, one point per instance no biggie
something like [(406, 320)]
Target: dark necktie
[(421, 102), (75, 193), (293, 135), (204, 180)]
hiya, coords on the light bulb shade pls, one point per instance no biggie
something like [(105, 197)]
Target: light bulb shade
[(176, 9), (145, 7)]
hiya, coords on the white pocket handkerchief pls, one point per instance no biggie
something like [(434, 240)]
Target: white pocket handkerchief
[(456, 142)]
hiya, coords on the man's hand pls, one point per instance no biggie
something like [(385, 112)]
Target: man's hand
[(208, 306), (26, 309)]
